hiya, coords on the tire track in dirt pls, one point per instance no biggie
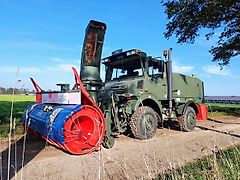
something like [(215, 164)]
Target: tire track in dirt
[(129, 158)]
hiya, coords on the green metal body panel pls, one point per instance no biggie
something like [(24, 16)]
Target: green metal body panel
[(146, 97), (187, 88)]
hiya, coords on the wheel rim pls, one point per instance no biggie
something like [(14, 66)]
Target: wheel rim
[(191, 120), (148, 123)]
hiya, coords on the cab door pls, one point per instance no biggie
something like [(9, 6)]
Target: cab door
[(157, 80)]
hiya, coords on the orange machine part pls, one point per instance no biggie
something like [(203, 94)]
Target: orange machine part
[(84, 131), (202, 112)]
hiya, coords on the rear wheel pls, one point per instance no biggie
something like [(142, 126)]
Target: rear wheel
[(144, 122), (187, 121)]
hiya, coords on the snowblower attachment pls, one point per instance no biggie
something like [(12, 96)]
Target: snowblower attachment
[(71, 120), (91, 58)]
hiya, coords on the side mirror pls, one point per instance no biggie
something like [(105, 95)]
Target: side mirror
[(161, 66)]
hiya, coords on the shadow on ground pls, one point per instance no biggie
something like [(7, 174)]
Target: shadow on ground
[(20, 157), (173, 125)]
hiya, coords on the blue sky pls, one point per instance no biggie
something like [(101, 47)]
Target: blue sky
[(43, 39)]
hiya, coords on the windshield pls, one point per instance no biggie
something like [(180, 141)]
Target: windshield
[(124, 67), (116, 73)]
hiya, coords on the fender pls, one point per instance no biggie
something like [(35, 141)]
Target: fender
[(149, 97), (182, 108)]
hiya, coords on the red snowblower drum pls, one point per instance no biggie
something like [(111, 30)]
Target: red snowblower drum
[(70, 120)]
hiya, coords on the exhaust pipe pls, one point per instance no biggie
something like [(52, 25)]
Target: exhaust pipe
[(169, 83)]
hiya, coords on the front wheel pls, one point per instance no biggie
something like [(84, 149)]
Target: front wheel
[(144, 122), (108, 142), (187, 121)]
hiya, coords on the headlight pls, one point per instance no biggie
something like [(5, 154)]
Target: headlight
[(105, 60), (134, 51), (129, 53)]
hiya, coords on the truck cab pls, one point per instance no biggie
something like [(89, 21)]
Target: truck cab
[(133, 73)]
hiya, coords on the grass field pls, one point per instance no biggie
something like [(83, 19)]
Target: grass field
[(224, 109), (221, 165), (16, 98), (20, 102)]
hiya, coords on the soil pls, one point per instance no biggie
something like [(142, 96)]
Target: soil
[(128, 159)]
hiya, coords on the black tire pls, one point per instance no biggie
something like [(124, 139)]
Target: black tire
[(144, 122), (108, 142), (187, 121)]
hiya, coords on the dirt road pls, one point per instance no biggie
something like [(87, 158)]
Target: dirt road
[(128, 159)]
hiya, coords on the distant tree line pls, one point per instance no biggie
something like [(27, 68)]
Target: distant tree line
[(16, 91)]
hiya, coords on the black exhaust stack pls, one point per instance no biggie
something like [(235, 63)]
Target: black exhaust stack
[(169, 83)]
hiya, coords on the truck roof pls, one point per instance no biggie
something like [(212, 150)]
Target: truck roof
[(125, 60), (130, 59)]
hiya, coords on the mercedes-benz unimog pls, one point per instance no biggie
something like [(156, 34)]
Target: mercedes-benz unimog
[(140, 92)]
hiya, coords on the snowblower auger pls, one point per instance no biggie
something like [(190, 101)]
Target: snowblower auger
[(70, 120)]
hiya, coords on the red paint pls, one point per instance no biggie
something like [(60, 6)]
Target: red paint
[(49, 95), (203, 112), (36, 86), (84, 131), (38, 97)]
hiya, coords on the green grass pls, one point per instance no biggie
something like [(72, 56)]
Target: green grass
[(19, 104), (221, 165), (224, 109), (225, 105), (16, 98)]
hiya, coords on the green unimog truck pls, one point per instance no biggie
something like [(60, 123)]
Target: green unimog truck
[(140, 92)]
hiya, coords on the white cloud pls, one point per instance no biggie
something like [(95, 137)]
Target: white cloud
[(62, 68), (181, 68), (58, 60), (216, 70), (65, 67), (14, 69), (26, 70), (33, 44), (47, 77), (66, 61)]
